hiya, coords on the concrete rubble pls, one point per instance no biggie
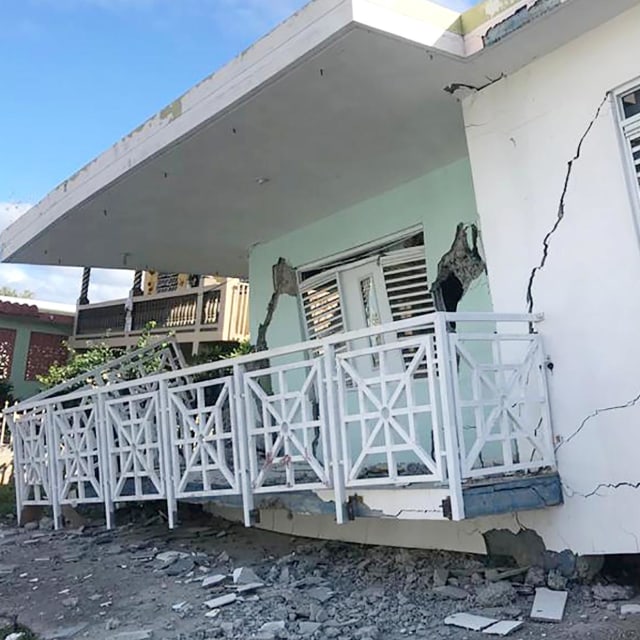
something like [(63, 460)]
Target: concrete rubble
[(141, 582)]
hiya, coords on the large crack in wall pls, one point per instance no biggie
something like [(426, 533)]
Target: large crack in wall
[(284, 283), (546, 245), (561, 205)]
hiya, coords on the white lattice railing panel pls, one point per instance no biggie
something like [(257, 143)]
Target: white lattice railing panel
[(501, 403), (135, 450), (78, 456), (31, 464), (286, 427), (204, 451), (419, 403), (389, 418)]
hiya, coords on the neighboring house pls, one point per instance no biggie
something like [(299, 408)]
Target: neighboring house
[(199, 311), (33, 336), (365, 163)]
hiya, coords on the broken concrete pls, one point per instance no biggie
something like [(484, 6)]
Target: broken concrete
[(458, 268), (503, 628), (469, 621), (548, 605)]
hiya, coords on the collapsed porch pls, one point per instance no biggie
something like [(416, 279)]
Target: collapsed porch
[(454, 423)]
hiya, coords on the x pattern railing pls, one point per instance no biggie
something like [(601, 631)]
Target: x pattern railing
[(465, 404)]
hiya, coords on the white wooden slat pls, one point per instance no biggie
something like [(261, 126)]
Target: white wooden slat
[(322, 307)]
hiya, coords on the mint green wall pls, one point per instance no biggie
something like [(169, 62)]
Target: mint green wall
[(24, 326), (438, 201)]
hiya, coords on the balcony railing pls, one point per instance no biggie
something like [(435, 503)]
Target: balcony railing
[(435, 408), (216, 313)]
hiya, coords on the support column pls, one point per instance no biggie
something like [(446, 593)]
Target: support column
[(84, 288), (136, 290)]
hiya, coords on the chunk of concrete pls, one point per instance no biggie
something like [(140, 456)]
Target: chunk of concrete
[(548, 605), (440, 577), (469, 621), (630, 609), (243, 575), (247, 588), (503, 628), (494, 575), (222, 601), (451, 593), (496, 594), (169, 557), (15, 636), (213, 581)]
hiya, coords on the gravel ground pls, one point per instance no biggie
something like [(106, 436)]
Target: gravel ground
[(143, 581)]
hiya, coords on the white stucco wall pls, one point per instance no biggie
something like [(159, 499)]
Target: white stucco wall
[(522, 132)]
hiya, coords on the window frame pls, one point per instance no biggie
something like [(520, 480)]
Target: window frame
[(339, 262), (622, 125)]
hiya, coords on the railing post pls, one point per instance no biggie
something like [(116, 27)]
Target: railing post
[(17, 466), (166, 437), (446, 370), (52, 459), (242, 435), (335, 444), (225, 310), (199, 319), (104, 453)]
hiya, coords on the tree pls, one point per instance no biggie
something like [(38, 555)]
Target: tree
[(14, 293)]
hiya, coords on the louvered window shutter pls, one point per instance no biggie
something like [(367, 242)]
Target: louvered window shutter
[(322, 306), (405, 277), (632, 134), (407, 285)]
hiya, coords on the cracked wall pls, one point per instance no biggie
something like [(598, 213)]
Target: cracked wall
[(560, 239), (437, 202)]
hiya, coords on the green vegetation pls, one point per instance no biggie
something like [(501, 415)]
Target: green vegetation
[(14, 293), (79, 363)]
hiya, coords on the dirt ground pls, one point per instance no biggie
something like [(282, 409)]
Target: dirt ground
[(144, 581)]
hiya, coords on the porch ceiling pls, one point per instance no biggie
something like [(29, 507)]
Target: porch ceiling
[(331, 108)]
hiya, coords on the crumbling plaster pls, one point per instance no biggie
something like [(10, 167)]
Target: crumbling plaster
[(437, 201), (560, 237)]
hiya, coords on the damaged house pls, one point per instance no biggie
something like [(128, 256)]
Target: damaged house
[(438, 217)]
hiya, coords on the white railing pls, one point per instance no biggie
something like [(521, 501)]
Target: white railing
[(436, 408)]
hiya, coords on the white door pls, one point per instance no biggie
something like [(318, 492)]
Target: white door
[(366, 305)]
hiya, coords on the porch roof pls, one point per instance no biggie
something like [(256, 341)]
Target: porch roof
[(340, 103)]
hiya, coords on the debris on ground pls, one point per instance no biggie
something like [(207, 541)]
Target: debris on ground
[(549, 605), (141, 582)]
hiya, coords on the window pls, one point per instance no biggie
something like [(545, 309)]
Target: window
[(385, 283), (629, 112)]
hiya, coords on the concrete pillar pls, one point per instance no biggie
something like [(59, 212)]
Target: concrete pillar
[(84, 288)]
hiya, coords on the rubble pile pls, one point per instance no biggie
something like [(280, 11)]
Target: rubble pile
[(219, 580)]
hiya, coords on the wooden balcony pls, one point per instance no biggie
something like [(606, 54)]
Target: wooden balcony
[(212, 313)]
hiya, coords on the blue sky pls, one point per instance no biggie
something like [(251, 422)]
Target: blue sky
[(79, 74)]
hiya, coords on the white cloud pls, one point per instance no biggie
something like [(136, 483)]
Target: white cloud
[(59, 284)]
